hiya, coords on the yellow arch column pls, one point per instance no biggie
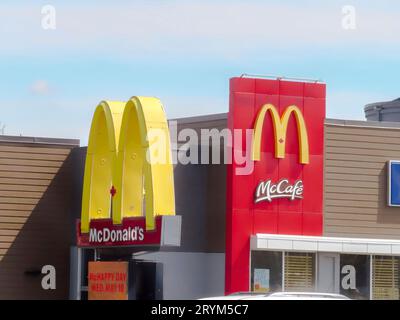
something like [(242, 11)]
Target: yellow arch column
[(100, 162), (280, 128), (304, 154), (258, 128), (136, 169)]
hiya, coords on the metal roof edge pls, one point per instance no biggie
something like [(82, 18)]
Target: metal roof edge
[(40, 140), (363, 123)]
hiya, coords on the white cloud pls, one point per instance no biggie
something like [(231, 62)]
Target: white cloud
[(40, 87), (218, 28)]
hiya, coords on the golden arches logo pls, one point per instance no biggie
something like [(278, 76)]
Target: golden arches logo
[(280, 128), (119, 161)]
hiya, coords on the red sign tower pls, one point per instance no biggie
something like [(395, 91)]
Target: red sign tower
[(302, 215)]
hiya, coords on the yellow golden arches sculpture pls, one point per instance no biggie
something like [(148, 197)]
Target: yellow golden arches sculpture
[(121, 169), (280, 128)]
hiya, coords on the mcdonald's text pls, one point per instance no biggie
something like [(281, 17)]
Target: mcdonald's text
[(106, 235)]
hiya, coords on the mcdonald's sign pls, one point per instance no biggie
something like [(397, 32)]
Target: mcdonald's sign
[(128, 197), (267, 190), (283, 194), (280, 128)]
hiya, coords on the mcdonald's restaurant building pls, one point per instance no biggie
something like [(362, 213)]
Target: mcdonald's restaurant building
[(305, 204)]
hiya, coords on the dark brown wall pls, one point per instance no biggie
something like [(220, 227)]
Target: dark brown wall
[(356, 155), (35, 215), (200, 193)]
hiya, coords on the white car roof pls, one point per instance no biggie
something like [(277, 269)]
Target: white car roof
[(281, 296), (237, 296), (302, 296), (308, 294)]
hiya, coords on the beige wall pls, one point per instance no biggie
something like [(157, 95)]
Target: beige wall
[(356, 155), (35, 222)]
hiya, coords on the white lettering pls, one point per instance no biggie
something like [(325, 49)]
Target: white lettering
[(49, 280), (266, 190), (120, 235), (93, 235), (106, 235), (49, 17), (349, 280), (113, 235)]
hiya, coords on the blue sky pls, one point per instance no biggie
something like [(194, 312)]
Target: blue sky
[(184, 52)]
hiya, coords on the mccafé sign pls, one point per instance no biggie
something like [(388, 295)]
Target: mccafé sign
[(267, 190), (283, 194), (128, 197)]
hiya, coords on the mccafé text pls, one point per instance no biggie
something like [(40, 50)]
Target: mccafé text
[(267, 190)]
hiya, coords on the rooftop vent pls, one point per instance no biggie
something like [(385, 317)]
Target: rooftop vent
[(383, 111)]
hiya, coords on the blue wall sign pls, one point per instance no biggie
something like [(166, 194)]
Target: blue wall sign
[(394, 183)]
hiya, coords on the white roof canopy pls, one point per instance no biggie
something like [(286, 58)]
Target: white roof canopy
[(324, 244)]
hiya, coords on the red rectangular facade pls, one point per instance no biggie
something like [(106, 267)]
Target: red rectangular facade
[(293, 207)]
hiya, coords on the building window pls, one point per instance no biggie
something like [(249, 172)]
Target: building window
[(266, 271), (299, 271), (385, 278), (355, 276)]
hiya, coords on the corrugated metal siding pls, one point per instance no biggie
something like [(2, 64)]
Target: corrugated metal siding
[(356, 181), (35, 218)]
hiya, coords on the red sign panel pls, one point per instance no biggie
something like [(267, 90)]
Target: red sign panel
[(132, 232), (283, 191)]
